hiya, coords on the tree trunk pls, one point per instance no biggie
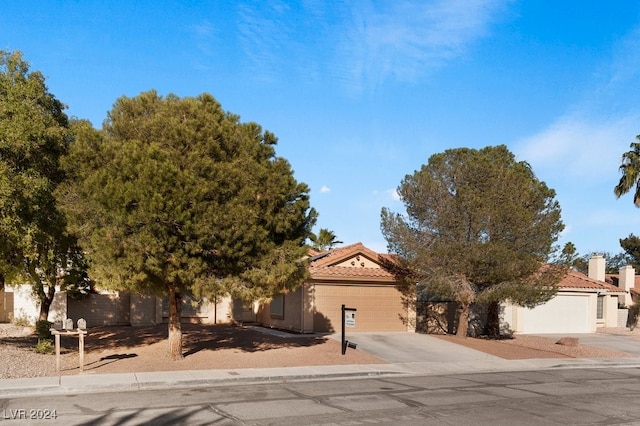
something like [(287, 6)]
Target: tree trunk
[(46, 299), (44, 309), (175, 327), (463, 321), (493, 320)]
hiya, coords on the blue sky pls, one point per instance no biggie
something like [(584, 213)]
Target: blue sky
[(362, 93)]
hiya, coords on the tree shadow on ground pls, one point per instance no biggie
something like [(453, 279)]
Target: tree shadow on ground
[(195, 338)]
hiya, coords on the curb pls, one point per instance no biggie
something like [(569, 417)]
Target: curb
[(124, 382)]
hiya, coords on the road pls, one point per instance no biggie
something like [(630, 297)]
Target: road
[(552, 397)]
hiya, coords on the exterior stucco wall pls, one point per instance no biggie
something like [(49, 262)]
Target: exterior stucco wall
[(611, 311), (26, 306), (297, 314), (101, 309), (563, 314)]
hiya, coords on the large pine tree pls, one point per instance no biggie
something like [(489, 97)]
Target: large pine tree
[(176, 195), (479, 226)]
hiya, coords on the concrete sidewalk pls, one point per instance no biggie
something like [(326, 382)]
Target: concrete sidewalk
[(94, 383), (406, 354)]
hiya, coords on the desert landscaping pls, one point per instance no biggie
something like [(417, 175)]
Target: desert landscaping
[(122, 349)]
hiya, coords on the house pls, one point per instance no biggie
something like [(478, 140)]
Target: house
[(353, 276), (356, 277), (628, 281), (109, 308), (17, 303), (582, 304)]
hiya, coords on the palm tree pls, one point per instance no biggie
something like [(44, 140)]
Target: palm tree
[(324, 240), (630, 169)]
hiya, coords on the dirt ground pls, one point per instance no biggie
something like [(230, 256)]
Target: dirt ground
[(143, 349)]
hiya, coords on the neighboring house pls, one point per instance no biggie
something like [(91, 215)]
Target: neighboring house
[(582, 305), (110, 308), (353, 276), (18, 303), (628, 281)]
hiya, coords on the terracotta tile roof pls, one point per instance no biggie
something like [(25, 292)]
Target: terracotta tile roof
[(349, 272), (615, 280), (336, 255), (578, 281), (326, 264)]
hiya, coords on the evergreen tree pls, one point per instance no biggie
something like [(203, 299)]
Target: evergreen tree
[(34, 134), (176, 195), (479, 227), (631, 247)]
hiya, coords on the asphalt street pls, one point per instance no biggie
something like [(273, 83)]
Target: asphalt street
[(547, 397)]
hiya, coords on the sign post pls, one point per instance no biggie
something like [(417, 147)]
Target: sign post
[(348, 320)]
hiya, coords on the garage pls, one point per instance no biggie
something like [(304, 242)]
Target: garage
[(353, 276), (378, 307), (565, 313)]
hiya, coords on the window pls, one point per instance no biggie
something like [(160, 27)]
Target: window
[(600, 308), (277, 307)]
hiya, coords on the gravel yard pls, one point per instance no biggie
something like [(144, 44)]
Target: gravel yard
[(140, 349)]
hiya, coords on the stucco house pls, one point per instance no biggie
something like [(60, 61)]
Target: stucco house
[(353, 276), (583, 304)]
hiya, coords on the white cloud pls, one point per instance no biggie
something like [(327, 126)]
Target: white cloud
[(325, 189), (405, 39), (393, 194), (576, 146)]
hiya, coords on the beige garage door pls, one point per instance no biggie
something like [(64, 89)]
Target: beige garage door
[(379, 308)]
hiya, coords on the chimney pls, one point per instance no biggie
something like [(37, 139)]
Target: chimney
[(626, 281), (596, 267)]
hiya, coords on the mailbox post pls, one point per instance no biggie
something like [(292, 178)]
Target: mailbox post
[(66, 329), (348, 320)]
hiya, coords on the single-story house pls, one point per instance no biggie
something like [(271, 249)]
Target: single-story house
[(582, 304), (111, 308), (353, 276)]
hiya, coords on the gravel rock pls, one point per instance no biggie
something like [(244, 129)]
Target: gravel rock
[(18, 358)]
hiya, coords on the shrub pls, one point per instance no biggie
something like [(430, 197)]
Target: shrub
[(43, 329), (45, 346), (634, 315)]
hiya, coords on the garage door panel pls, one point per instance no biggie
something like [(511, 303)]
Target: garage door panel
[(562, 314), (378, 308)]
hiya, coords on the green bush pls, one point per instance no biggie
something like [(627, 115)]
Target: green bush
[(45, 346), (43, 329)]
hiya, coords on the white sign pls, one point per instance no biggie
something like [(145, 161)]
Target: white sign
[(350, 319)]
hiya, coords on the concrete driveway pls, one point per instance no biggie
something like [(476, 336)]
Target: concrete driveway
[(402, 347)]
